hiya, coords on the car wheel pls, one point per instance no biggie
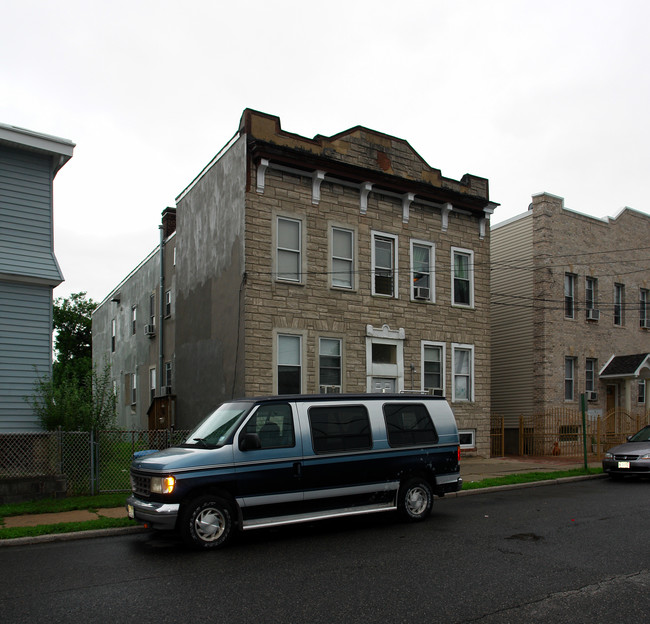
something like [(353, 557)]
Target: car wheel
[(415, 499), (206, 522)]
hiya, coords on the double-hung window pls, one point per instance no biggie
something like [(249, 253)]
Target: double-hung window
[(591, 304), (463, 372), (569, 378), (433, 374), (619, 304), (289, 249), (342, 246), (384, 264), (289, 358), (422, 271), (113, 335), (168, 303), (462, 262), (569, 295), (590, 375), (641, 395), (134, 318), (329, 364), (644, 312)]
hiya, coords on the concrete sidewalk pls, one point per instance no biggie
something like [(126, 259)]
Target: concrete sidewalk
[(471, 469)]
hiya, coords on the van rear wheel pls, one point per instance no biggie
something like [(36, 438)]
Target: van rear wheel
[(415, 499), (206, 522)]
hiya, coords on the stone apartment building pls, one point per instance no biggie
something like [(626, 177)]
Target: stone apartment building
[(333, 264), (570, 312)]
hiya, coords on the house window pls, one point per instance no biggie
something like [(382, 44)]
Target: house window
[(329, 364), (463, 279), (619, 304), (384, 264), (591, 291), (641, 395), (463, 372), (644, 318), (113, 335), (168, 303), (342, 258), (569, 295), (134, 318), (152, 383), (134, 394), (569, 378), (289, 364), (590, 375), (433, 368), (467, 438), (168, 374), (289, 250), (422, 271), (152, 309)]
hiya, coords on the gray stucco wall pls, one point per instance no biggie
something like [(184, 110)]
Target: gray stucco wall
[(210, 266)]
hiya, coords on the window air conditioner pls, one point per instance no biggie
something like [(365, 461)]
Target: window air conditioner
[(421, 292), (330, 389), (592, 396), (434, 391), (150, 330), (593, 314), (167, 390)]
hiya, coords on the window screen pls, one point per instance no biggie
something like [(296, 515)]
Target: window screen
[(340, 428), (409, 425)]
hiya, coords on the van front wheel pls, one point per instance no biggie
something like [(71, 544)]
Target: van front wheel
[(206, 522), (415, 499)]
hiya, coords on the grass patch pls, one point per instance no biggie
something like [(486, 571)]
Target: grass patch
[(66, 527), (529, 477), (55, 505)]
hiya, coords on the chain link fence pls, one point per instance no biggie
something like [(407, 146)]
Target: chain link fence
[(88, 462)]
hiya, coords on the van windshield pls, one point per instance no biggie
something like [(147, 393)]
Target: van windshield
[(214, 430)]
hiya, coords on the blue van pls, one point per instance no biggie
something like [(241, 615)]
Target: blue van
[(279, 460)]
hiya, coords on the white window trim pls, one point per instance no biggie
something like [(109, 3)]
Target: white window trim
[(570, 279), (471, 432), (302, 260), (342, 358), (619, 289), (594, 361), (470, 253), (443, 359), (465, 347), (573, 379), (373, 235), (303, 342), (432, 269), (353, 231)]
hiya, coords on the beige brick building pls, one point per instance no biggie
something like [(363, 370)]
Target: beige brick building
[(570, 311), (332, 264)]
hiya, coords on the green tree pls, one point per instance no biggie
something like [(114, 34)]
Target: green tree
[(77, 397), (72, 325)]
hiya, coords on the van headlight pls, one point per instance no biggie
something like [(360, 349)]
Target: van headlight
[(609, 456), (163, 485)]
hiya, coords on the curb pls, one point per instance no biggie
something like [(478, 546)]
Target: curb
[(519, 486), (68, 537)]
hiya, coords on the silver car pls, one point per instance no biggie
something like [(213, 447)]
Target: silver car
[(630, 458)]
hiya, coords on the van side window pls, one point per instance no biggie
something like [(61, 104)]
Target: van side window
[(274, 425), (409, 425), (340, 428)]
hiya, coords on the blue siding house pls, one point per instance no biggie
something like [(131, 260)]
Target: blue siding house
[(29, 271)]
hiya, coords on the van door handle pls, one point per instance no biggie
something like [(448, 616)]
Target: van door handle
[(297, 469)]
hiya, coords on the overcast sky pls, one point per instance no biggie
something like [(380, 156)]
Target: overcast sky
[(545, 95)]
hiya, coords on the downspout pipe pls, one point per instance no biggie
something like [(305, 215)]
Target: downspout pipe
[(161, 351)]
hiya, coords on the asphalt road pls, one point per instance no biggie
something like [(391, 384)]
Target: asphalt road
[(577, 552)]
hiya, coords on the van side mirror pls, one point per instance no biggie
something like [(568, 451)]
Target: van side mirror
[(249, 442)]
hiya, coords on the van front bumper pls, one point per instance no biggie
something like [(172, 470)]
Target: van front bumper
[(161, 516)]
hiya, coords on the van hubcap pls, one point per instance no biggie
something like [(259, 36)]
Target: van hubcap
[(210, 525), (416, 501)]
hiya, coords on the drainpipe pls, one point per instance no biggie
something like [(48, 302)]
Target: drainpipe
[(161, 352)]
